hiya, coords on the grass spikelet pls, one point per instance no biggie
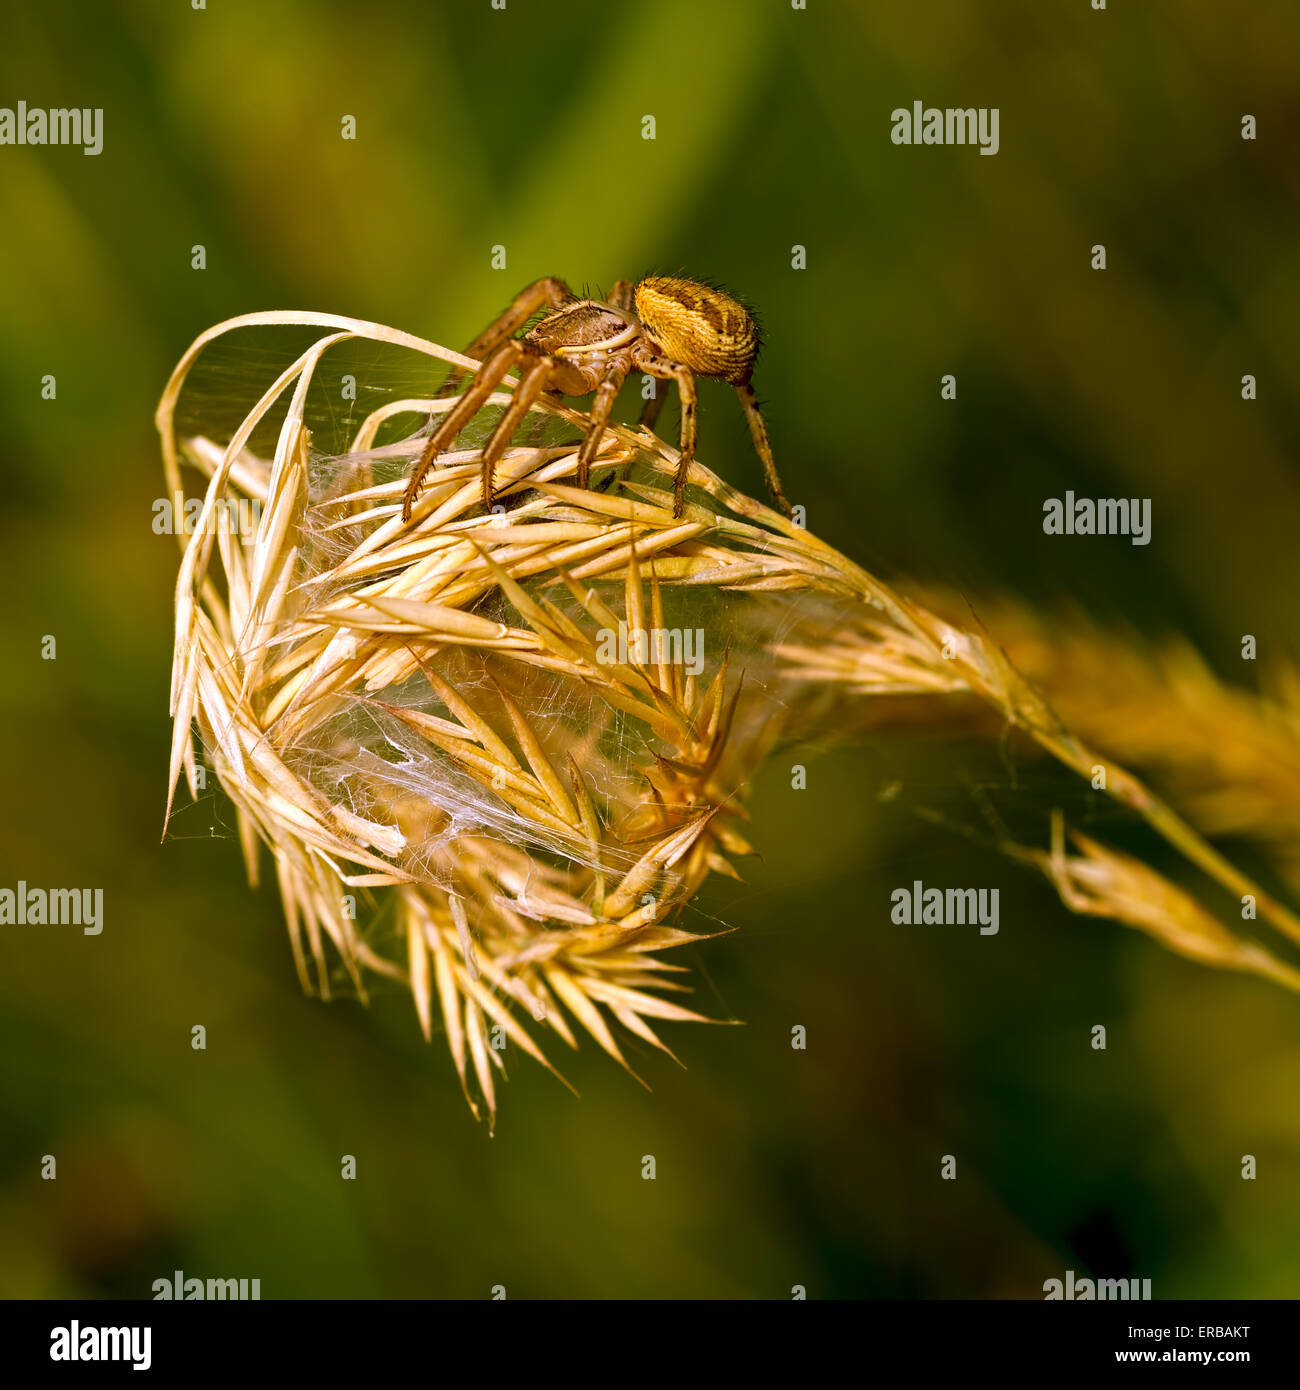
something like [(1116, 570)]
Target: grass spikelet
[(454, 728)]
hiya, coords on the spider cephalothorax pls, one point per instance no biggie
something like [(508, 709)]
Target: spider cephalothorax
[(663, 326)]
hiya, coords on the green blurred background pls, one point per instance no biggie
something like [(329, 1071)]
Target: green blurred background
[(477, 127)]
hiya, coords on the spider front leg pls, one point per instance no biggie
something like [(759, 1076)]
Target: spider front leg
[(548, 292), (531, 384), (489, 376), (763, 447)]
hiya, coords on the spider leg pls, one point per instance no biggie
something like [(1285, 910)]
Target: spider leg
[(763, 447), (686, 390), (667, 370), (530, 386), (606, 393), (650, 410), (535, 431), (548, 291), (485, 382), (621, 297)]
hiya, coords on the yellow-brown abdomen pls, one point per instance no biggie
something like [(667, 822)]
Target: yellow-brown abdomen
[(698, 326)]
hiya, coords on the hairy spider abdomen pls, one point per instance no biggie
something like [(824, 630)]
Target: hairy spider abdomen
[(698, 326)]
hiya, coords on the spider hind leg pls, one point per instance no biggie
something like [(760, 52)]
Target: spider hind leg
[(763, 447)]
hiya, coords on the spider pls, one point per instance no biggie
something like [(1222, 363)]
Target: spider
[(666, 327)]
